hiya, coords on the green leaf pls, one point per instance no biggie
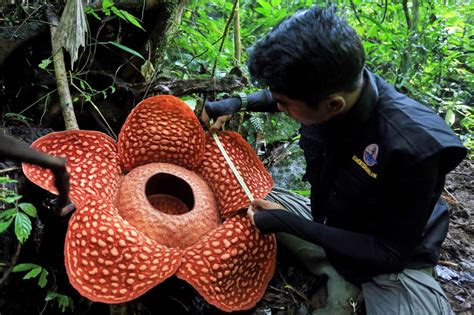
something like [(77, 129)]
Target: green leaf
[(130, 18), (42, 281), (124, 15), (264, 4), (276, 3), (33, 273), (467, 122), (22, 227), (304, 193), (24, 267), (6, 218), (28, 208), (450, 117), (89, 10), (11, 199), (45, 63), (106, 4), (5, 224), (6, 180), (118, 13), (18, 117), (64, 301), (7, 214), (129, 50), (263, 11)]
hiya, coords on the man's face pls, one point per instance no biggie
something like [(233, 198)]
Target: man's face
[(301, 111)]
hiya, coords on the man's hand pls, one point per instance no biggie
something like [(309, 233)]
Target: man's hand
[(221, 111), (220, 121), (260, 204)]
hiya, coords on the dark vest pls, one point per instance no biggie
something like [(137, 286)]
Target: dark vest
[(356, 162)]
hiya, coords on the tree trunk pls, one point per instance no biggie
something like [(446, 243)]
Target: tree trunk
[(168, 18), (65, 100)]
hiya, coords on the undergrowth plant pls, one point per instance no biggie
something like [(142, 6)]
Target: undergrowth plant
[(14, 212), (18, 215)]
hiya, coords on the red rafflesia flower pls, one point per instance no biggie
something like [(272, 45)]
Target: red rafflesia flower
[(152, 206)]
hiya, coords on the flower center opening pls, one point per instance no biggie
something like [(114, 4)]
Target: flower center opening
[(169, 194)]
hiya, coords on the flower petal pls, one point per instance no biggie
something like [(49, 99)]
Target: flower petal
[(231, 266), (161, 129), (92, 163), (215, 170), (108, 260), (148, 191)]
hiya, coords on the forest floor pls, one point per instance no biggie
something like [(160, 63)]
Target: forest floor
[(293, 290), (456, 270)]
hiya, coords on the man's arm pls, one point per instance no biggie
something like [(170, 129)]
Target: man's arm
[(222, 111), (408, 202), (14, 149)]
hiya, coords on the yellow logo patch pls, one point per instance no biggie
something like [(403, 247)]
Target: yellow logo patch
[(364, 166)]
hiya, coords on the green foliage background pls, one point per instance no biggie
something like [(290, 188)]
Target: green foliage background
[(424, 48)]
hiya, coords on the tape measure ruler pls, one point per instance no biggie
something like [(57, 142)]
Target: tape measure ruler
[(232, 167)]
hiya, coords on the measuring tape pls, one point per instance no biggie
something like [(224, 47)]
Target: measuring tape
[(232, 167)]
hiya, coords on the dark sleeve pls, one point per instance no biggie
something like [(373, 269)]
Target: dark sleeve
[(356, 246), (261, 101), (408, 202)]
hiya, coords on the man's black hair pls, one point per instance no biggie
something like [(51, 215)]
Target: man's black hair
[(309, 56)]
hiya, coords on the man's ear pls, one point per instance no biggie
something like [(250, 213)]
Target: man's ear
[(334, 105)]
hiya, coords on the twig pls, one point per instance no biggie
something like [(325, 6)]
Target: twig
[(384, 12), (448, 263), (288, 286), (451, 195), (277, 289), (25, 20), (179, 302), (10, 169), (299, 293), (200, 54), (37, 101), (456, 223), (7, 273), (224, 35), (355, 12)]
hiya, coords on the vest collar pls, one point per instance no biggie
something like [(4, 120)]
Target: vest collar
[(348, 125)]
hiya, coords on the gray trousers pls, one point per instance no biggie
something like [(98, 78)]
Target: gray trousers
[(408, 292)]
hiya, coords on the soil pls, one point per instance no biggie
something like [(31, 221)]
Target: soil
[(456, 270)]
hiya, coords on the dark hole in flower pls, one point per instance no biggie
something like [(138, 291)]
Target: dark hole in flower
[(169, 194)]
